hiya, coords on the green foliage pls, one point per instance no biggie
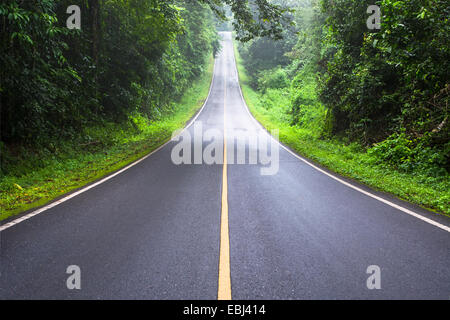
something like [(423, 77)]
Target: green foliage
[(409, 155), (273, 79), (306, 110), (351, 159), (38, 175), (254, 18), (130, 56), (372, 86), (36, 83), (370, 105), (378, 83), (266, 53), (67, 96), (262, 55)]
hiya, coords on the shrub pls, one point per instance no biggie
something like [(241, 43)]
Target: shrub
[(273, 79)]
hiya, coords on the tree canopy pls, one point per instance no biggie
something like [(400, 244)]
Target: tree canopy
[(387, 89)]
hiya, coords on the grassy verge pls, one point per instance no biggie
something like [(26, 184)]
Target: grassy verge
[(350, 160), (39, 177)]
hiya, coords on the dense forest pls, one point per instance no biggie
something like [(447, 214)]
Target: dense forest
[(129, 56), (78, 102), (384, 93), (390, 86)]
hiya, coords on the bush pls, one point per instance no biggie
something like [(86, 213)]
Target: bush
[(407, 154), (273, 79)]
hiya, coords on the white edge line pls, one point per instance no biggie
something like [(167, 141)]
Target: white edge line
[(58, 202), (396, 206)]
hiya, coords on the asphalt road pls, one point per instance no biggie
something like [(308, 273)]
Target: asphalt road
[(154, 231)]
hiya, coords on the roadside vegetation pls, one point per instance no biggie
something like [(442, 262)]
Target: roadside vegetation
[(39, 176), (372, 106), (76, 104)]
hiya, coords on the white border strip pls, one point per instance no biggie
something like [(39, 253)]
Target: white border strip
[(58, 202), (396, 206)]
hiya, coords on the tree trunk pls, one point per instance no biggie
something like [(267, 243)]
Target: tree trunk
[(94, 7)]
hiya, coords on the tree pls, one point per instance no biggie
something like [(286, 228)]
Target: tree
[(253, 18)]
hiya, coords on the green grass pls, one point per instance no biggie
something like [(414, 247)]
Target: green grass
[(349, 160), (37, 178)]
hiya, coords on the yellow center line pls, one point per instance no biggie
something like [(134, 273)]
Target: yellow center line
[(224, 289)]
